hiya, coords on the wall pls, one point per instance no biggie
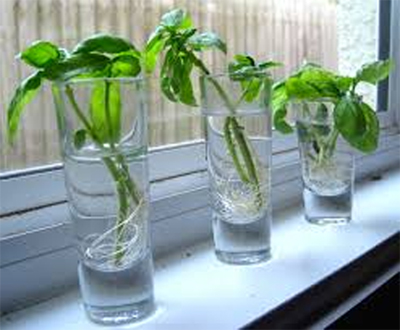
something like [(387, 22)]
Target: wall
[(357, 38)]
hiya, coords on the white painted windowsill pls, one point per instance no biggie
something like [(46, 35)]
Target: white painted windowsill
[(195, 291)]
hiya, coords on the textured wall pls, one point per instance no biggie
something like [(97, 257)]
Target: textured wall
[(357, 38)]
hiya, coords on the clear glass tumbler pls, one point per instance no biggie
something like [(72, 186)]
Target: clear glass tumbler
[(103, 133), (327, 165), (238, 140)]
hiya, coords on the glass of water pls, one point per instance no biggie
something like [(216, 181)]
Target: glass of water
[(327, 164), (238, 140)]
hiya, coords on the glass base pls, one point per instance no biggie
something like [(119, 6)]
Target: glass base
[(120, 314), (327, 210), (328, 221), (243, 258)]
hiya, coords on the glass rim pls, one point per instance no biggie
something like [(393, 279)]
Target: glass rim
[(83, 81)]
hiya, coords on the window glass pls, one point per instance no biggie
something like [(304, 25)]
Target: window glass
[(335, 33)]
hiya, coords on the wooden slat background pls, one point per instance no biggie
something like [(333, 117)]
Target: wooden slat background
[(289, 31)]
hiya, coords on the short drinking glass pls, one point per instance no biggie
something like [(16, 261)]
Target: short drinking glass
[(327, 164)]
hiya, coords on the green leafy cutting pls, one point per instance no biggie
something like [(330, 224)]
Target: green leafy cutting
[(98, 56), (206, 40), (251, 75), (23, 95), (374, 72), (75, 65), (106, 116), (104, 44), (40, 54), (104, 56), (179, 41), (176, 37), (354, 120)]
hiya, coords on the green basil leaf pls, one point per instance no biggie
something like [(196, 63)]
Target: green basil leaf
[(299, 89), (279, 96), (252, 77), (80, 138), (236, 71), (153, 48), (243, 68), (157, 35), (186, 94), (374, 72), (266, 88), (187, 22), (76, 65), (167, 76), (269, 64), (103, 43), (280, 121), (167, 89), (177, 73), (168, 62), (23, 95), (173, 18), (40, 54), (251, 89), (245, 60), (176, 19), (366, 140), (343, 84), (322, 81), (125, 66), (207, 40), (106, 126), (185, 36), (350, 121), (369, 141)]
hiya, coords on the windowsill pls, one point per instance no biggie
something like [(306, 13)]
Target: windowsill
[(194, 290)]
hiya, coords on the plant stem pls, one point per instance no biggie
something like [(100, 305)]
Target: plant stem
[(79, 113), (232, 150), (245, 150), (108, 115), (332, 141), (231, 125), (327, 147), (119, 180), (117, 168)]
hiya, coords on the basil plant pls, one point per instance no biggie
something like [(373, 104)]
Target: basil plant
[(353, 119)]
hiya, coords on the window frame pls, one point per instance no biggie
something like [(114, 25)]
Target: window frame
[(38, 232)]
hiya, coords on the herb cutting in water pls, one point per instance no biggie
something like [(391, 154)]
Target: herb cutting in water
[(176, 37), (99, 56), (353, 119)]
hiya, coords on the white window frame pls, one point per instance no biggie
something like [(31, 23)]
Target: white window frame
[(39, 236)]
